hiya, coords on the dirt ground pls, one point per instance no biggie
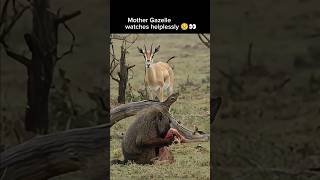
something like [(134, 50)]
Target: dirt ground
[(192, 71), (269, 123)]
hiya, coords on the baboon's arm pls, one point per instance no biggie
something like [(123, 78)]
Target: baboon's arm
[(154, 142)]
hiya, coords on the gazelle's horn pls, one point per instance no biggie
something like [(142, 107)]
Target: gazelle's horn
[(151, 48), (156, 49), (145, 49)]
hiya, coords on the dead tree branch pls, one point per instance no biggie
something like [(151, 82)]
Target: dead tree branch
[(204, 39), (19, 58), (282, 84), (70, 50), (114, 78), (67, 17), (131, 109), (114, 64), (5, 27), (4, 11), (231, 79), (124, 68), (129, 67), (215, 104), (44, 157), (125, 39)]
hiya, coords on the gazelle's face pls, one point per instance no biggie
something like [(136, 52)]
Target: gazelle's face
[(148, 55)]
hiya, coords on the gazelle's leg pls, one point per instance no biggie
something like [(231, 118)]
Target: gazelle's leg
[(149, 93), (151, 97), (170, 90), (156, 94), (160, 94)]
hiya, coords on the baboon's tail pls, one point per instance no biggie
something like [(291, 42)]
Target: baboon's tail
[(117, 161)]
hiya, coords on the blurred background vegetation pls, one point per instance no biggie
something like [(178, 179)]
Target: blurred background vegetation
[(78, 77), (268, 126)]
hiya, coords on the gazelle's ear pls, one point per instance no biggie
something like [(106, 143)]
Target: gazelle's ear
[(140, 50), (157, 49)]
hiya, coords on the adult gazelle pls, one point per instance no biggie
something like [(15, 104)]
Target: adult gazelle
[(158, 76)]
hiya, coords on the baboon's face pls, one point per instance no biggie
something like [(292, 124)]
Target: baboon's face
[(163, 124)]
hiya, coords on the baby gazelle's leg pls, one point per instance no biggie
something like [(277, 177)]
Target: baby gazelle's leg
[(165, 157)]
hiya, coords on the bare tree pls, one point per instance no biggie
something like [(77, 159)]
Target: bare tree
[(124, 68), (42, 43)]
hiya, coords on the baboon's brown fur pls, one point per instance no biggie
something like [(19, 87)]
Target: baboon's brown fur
[(146, 135)]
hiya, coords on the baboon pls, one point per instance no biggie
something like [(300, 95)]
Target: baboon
[(146, 135)]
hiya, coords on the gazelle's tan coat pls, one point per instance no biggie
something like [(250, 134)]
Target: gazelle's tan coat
[(158, 77)]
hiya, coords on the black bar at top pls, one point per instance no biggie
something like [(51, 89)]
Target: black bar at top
[(190, 12)]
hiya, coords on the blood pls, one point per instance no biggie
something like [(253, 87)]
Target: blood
[(165, 155), (173, 133)]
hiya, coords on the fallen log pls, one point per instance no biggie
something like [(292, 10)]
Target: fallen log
[(84, 149), (126, 110), (47, 156)]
